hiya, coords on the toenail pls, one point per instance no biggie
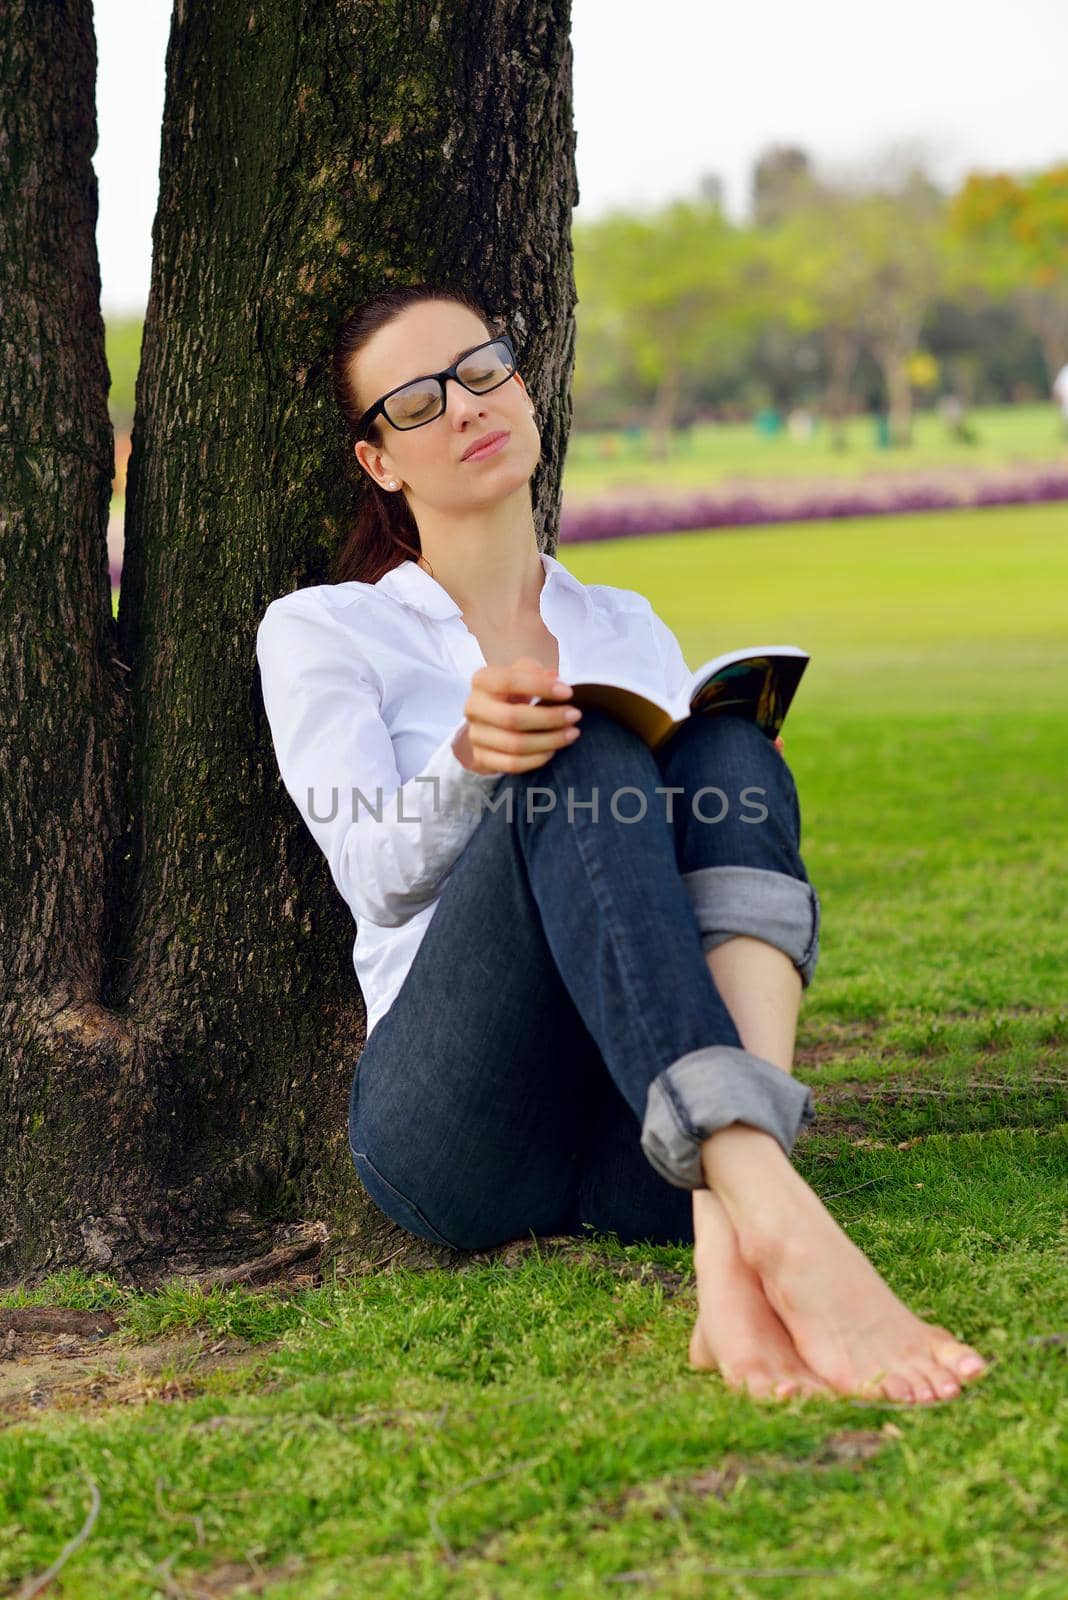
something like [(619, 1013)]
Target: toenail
[(949, 1387), (970, 1365)]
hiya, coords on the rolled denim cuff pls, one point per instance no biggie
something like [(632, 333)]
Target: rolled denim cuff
[(773, 906), (705, 1090)]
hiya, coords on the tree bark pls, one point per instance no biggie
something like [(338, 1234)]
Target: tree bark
[(182, 1015)]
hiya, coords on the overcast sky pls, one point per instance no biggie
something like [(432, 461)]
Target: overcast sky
[(664, 93)]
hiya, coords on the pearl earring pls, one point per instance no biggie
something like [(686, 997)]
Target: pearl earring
[(393, 483)]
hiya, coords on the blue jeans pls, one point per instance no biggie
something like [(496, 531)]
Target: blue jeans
[(559, 1049)]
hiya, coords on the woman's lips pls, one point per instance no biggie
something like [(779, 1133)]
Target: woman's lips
[(493, 443)]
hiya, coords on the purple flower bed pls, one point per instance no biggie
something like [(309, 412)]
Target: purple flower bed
[(589, 522), (618, 521)]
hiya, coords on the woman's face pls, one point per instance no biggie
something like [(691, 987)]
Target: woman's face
[(426, 462)]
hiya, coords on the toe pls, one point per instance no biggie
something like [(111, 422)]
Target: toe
[(760, 1385), (960, 1358), (970, 1364), (923, 1391), (815, 1385), (945, 1383), (896, 1386)]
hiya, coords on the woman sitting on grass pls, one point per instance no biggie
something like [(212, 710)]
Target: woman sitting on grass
[(581, 1015)]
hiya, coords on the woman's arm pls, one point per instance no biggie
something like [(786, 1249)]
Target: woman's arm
[(329, 737)]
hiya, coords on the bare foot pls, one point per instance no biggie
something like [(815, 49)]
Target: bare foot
[(737, 1332), (844, 1319)]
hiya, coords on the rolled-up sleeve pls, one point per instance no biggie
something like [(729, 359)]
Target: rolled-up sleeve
[(389, 845)]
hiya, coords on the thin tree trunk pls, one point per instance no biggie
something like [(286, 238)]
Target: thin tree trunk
[(899, 394), (664, 410), (182, 1013), (842, 351), (892, 356)]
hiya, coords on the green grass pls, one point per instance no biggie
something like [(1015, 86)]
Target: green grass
[(533, 1429), (717, 453)]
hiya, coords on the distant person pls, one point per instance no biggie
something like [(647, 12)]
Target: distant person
[(1060, 395)]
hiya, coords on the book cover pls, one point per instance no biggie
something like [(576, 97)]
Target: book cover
[(758, 682)]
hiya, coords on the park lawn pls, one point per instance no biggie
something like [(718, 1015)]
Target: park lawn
[(716, 453), (531, 1427)]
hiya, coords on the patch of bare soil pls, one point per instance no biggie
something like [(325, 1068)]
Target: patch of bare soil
[(45, 1371), (218, 1582), (62, 1359)]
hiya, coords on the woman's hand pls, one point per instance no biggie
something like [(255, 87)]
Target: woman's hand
[(504, 732)]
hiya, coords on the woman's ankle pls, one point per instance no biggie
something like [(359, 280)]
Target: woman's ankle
[(762, 1192), (737, 1157)]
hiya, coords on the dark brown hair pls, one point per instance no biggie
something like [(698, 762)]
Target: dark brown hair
[(384, 533)]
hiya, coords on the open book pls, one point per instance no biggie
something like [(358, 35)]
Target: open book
[(758, 683)]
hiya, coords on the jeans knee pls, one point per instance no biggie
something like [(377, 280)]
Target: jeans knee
[(605, 757), (727, 741), (730, 772)]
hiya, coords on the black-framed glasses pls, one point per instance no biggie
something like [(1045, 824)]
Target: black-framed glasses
[(412, 405)]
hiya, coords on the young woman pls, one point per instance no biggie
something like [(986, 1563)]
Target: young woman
[(582, 963)]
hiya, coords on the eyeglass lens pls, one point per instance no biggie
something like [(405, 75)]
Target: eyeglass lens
[(421, 401)]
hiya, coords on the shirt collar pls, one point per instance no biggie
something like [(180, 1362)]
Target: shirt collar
[(413, 586)]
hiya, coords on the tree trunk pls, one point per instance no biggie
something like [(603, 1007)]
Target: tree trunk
[(899, 396), (182, 1015), (664, 410), (843, 349), (892, 358)]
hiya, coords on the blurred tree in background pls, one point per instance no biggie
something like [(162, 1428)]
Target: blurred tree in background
[(679, 294), (1019, 230), (782, 182), (828, 299)]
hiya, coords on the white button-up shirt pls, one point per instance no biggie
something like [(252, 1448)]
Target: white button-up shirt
[(364, 687)]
